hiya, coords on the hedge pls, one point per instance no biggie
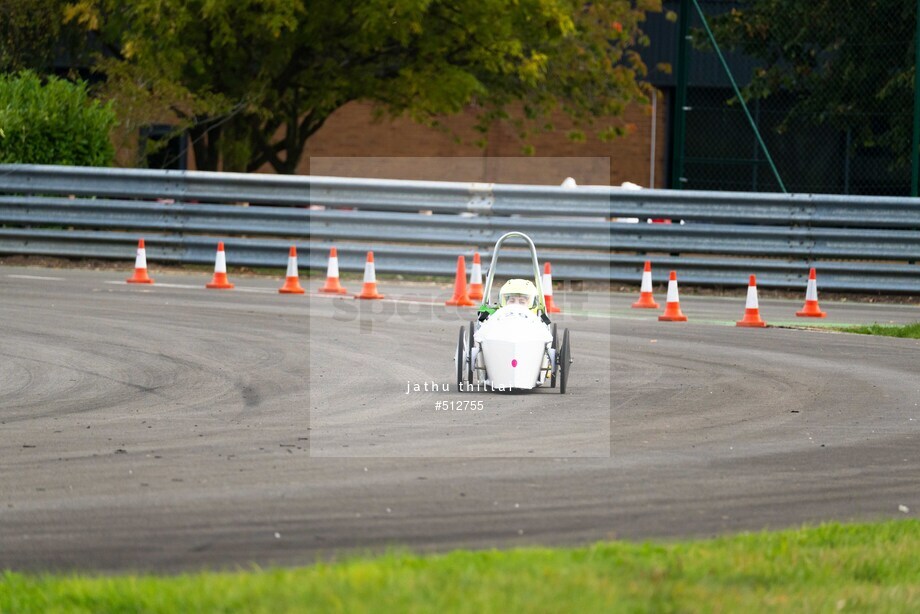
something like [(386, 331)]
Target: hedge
[(52, 121)]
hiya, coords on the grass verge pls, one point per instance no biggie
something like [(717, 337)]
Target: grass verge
[(831, 567), (907, 331)]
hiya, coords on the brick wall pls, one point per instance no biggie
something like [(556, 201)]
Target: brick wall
[(353, 144)]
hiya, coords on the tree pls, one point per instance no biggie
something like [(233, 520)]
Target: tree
[(848, 63), (29, 30), (253, 80), (33, 36)]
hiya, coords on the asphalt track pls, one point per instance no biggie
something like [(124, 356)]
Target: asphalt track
[(169, 427)]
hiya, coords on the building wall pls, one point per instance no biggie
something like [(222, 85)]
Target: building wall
[(353, 144)]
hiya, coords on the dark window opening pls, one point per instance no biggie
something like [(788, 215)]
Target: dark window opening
[(162, 148)]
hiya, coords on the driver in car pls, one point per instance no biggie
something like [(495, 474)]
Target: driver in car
[(515, 292), (518, 292)]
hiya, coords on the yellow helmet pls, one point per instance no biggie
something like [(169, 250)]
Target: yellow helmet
[(519, 291)]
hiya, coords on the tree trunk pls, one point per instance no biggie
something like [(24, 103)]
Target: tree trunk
[(205, 143)]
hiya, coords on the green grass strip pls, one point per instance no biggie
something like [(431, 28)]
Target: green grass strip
[(907, 331), (827, 568)]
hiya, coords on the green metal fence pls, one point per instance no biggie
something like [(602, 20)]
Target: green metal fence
[(829, 85)]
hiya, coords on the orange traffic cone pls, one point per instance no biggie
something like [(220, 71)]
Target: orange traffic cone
[(292, 279), (751, 308), (140, 266), (332, 275), (646, 300), (672, 312), (476, 278), (369, 291), (547, 283), (811, 309), (220, 281), (460, 298)]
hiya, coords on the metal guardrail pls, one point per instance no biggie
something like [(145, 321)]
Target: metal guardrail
[(418, 227)]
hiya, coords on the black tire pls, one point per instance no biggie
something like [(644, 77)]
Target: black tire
[(552, 377), (460, 356), (469, 351), (564, 361)]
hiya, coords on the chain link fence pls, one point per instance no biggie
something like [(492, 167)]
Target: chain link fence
[(830, 86)]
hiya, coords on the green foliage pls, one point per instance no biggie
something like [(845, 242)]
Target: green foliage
[(849, 64), (253, 80), (829, 568), (29, 33), (907, 331), (54, 122)]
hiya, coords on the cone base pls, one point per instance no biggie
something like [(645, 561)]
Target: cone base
[(460, 302), (475, 292), (140, 277), (369, 292), (327, 289), (219, 282), (291, 286), (811, 310), (751, 319), (811, 314), (645, 302), (674, 318), (550, 305), (751, 323)]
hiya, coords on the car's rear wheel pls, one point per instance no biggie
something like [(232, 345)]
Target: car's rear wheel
[(565, 360), (469, 352), (552, 378), (461, 355)]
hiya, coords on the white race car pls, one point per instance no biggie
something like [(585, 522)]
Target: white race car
[(513, 345)]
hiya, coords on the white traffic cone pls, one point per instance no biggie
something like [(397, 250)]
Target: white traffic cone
[(672, 312), (547, 283), (220, 281), (369, 291), (292, 278), (476, 278), (333, 286), (751, 317), (140, 266)]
